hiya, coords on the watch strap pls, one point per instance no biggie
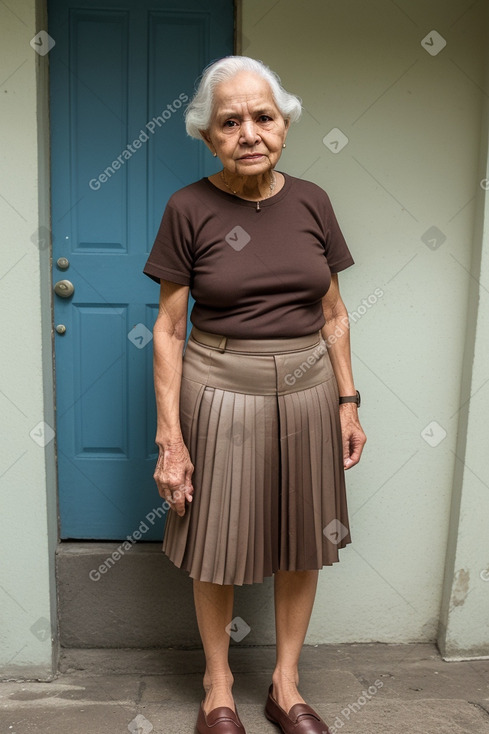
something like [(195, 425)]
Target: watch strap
[(351, 399)]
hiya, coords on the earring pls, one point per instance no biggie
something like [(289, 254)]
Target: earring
[(215, 155), (284, 146)]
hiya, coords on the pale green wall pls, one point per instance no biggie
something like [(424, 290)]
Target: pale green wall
[(27, 477), (464, 622), (412, 162)]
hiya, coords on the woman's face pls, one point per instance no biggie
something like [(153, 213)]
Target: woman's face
[(247, 130)]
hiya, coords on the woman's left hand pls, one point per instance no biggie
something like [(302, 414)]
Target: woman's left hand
[(353, 435)]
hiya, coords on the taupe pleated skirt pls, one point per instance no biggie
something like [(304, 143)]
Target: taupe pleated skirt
[(260, 419)]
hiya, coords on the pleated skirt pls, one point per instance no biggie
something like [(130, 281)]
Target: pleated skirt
[(261, 422)]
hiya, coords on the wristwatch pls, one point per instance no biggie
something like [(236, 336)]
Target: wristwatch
[(351, 399)]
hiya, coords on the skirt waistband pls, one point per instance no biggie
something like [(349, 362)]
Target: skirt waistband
[(256, 366), (260, 346)]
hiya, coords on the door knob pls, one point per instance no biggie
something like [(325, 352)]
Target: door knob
[(63, 263), (64, 288)]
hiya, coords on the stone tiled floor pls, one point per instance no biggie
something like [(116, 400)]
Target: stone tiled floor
[(358, 689)]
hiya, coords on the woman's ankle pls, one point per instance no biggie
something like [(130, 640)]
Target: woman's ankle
[(285, 678), (285, 688), (224, 680), (218, 692)]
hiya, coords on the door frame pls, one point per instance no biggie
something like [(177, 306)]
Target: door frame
[(47, 304)]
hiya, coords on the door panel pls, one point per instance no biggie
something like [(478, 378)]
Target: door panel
[(120, 77)]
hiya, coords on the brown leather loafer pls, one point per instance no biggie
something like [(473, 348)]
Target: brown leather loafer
[(301, 719), (221, 720)]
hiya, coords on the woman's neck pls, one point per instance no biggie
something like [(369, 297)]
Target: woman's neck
[(252, 188)]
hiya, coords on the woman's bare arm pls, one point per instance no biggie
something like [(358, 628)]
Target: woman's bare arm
[(336, 333), (173, 469)]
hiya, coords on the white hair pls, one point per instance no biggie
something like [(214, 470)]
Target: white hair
[(199, 111)]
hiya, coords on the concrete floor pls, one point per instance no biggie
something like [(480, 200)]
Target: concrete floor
[(357, 688)]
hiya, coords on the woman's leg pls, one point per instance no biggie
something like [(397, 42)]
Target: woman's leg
[(214, 609), (294, 598)]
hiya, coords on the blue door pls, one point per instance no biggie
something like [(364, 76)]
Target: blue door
[(121, 73)]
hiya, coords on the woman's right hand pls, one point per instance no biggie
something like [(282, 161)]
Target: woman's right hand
[(173, 475)]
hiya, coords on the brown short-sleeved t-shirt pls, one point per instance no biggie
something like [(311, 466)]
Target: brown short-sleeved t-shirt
[(253, 274)]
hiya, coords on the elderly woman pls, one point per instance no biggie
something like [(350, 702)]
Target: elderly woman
[(257, 419)]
